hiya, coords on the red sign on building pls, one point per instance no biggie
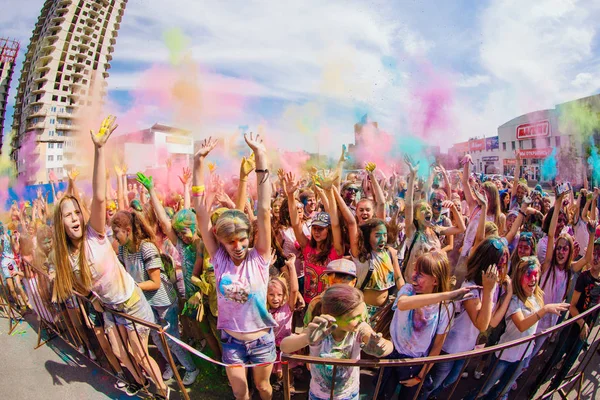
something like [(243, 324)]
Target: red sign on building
[(536, 153), (509, 161), (536, 129), (477, 145)]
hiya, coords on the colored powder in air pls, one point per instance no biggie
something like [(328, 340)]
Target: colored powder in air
[(549, 167), (579, 119), (594, 161), (177, 42)]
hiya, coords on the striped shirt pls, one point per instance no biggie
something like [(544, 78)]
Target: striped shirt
[(138, 264)]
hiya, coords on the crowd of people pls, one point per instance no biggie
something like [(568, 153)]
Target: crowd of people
[(311, 262)]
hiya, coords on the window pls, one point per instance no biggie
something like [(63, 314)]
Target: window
[(548, 142), (557, 139), (533, 144), (59, 145), (60, 133), (504, 146), (59, 158), (50, 158), (521, 144), (50, 145), (50, 133), (513, 145), (63, 99), (62, 110), (53, 109), (51, 121)]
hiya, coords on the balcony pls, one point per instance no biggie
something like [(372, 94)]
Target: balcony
[(49, 48), (88, 29), (93, 12), (106, 66), (105, 74), (54, 29), (65, 2), (40, 79), (37, 125), (86, 37), (38, 90), (78, 73), (59, 19), (113, 41), (66, 115), (109, 57), (66, 127), (90, 21), (45, 58), (39, 113), (115, 33), (79, 63)]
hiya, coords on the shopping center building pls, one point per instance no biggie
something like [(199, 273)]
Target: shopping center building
[(570, 128)]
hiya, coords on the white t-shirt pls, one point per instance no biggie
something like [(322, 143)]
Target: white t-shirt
[(582, 236), (347, 379), (472, 231), (110, 282), (554, 286), (511, 333), (463, 333), (413, 331)]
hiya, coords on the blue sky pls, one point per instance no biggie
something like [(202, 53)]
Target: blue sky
[(325, 63)]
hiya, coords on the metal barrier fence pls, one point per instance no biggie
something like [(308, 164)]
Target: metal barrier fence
[(73, 323)]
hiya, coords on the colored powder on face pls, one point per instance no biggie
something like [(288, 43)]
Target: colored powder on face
[(184, 219), (549, 167)]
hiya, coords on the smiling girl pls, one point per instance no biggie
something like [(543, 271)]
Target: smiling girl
[(420, 322), (85, 262), (525, 310), (242, 275)]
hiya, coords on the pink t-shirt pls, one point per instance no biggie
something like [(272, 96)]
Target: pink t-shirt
[(291, 246), (110, 282), (242, 292), (283, 315), (313, 276)]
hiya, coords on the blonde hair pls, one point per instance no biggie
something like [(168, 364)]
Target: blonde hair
[(66, 280), (279, 281), (522, 267), (436, 264), (230, 223)]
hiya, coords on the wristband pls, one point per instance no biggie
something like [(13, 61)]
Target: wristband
[(198, 189), (264, 171), (522, 213)]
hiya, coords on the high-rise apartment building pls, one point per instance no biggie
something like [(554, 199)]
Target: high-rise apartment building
[(8, 54), (65, 67)]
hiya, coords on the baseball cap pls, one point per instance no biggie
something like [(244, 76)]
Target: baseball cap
[(341, 266), (321, 219)]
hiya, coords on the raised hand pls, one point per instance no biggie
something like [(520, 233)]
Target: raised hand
[(467, 159), (73, 173), (591, 226), (121, 170), (206, 147), (370, 167), (248, 165), (187, 175), (325, 180), (480, 197), (52, 177), (376, 344), (290, 185), (255, 142), (344, 156), (412, 167), (490, 278), (106, 129), (319, 328), (212, 167), (145, 180)]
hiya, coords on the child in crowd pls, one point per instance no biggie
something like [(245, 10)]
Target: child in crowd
[(340, 332)]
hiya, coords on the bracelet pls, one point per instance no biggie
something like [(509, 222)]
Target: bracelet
[(264, 171), (538, 316), (198, 189), (522, 213), (200, 194)]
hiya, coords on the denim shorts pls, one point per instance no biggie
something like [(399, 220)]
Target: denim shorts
[(136, 306), (259, 351)]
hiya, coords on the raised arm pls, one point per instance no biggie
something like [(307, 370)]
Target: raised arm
[(336, 230), (513, 191), (98, 209), (241, 198), (551, 230), (350, 222), (408, 199), (377, 191), (200, 199), (120, 170), (186, 180), (405, 303), (589, 252), (263, 242), (471, 201), (459, 226), (293, 281), (480, 233), (480, 311), (291, 187), (163, 219)]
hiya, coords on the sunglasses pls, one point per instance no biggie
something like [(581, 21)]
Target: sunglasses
[(352, 190)]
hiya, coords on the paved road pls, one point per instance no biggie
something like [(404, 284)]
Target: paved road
[(52, 372)]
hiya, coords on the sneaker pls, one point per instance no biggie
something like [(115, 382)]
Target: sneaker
[(190, 377), (477, 375), (81, 349), (92, 355), (121, 384), (465, 375), (168, 374), (132, 389)]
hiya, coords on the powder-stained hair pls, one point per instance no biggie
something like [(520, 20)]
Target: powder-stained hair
[(436, 264), (140, 229), (518, 271), (484, 255), (339, 300), (230, 223)]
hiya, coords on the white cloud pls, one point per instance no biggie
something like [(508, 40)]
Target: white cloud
[(472, 81)]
